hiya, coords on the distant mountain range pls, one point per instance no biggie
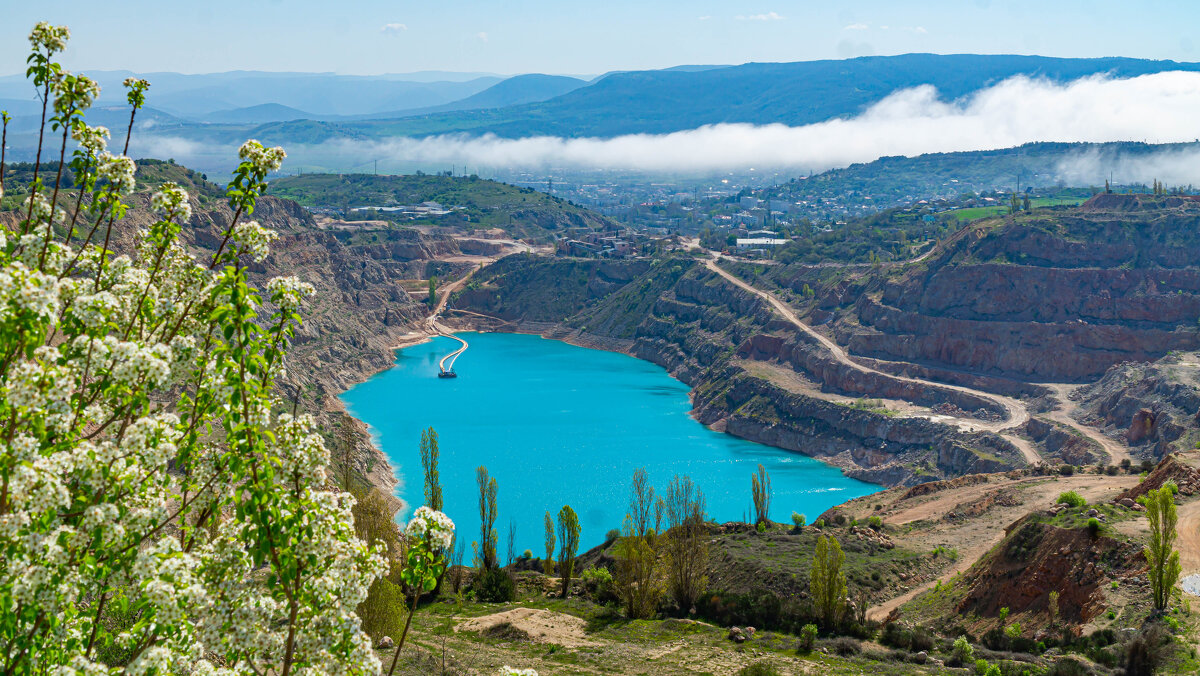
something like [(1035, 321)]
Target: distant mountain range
[(208, 113)]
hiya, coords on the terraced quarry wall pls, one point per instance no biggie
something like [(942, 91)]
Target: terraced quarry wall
[(1047, 297)]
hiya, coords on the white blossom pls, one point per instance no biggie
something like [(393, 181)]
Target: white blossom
[(255, 238), (47, 37), (93, 139), (265, 160), (288, 292), (119, 170), (433, 525), (172, 200)]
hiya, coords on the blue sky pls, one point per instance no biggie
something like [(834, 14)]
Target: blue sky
[(515, 36)]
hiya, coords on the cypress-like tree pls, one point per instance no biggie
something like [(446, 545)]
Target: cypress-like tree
[(568, 539), (827, 584), (760, 490), (548, 562), (432, 300), (486, 550), (429, 462), (1161, 556)]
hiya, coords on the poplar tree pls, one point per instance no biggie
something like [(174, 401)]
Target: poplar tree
[(827, 584), (432, 292), (568, 539), (548, 562), (637, 571), (1161, 556), (429, 462), (686, 544), (760, 490), (486, 549)]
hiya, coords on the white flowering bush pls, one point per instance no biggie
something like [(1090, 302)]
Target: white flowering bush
[(161, 509), (428, 535)]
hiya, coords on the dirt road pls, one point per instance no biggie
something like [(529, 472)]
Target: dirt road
[(1018, 413), (1115, 450)]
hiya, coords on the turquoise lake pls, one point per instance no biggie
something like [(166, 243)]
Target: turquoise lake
[(557, 424)]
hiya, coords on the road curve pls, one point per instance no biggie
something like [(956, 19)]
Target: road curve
[(1116, 452), (434, 328), (1018, 413)]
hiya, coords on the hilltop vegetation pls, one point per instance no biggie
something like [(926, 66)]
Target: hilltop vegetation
[(479, 204)]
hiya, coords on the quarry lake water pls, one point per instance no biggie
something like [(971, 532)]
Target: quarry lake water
[(557, 424)]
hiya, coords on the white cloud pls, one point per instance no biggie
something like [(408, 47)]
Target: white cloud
[(920, 29), (706, 17), (393, 28), (482, 36), (857, 27), (769, 16), (1157, 108)]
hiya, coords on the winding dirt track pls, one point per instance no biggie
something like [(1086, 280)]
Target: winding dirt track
[(434, 328), (1116, 452), (1018, 413)]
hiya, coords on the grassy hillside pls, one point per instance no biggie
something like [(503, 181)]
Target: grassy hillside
[(485, 204)]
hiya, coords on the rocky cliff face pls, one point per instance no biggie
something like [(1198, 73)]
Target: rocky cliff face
[(1044, 297), (1154, 406)]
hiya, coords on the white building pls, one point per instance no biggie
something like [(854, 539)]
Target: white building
[(760, 242)]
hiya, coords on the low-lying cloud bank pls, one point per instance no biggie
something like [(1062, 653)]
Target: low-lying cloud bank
[(1158, 108)]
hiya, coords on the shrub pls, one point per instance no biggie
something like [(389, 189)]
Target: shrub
[(798, 520), (1066, 470), (1071, 499), (760, 669), (612, 535), (383, 611), (820, 523), (598, 582), (981, 667), (962, 653), (896, 636), (875, 522), (494, 585), (922, 639), (845, 646), (1093, 526), (808, 638), (527, 555), (1069, 666)]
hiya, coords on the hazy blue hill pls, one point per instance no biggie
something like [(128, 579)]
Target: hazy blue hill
[(759, 93), (321, 94), (530, 88), (266, 112)]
